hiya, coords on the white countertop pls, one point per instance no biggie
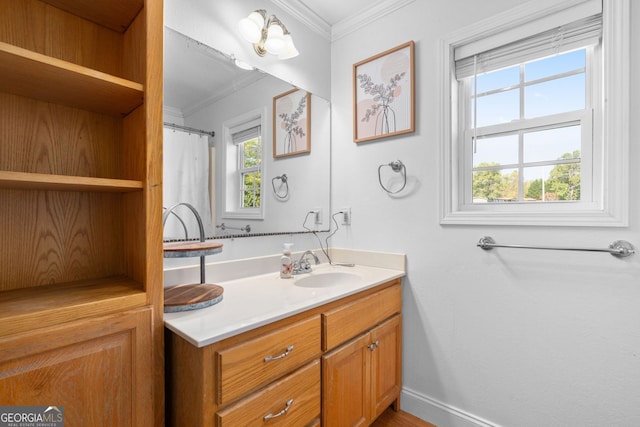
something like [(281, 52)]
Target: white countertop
[(255, 301)]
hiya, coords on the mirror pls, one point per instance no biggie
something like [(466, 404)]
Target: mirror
[(205, 90)]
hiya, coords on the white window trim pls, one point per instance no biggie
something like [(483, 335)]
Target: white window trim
[(612, 202), (228, 185)]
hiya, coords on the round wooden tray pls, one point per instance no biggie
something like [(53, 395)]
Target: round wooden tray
[(191, 249), (191, 296)]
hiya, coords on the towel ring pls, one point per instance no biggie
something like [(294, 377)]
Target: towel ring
[(283, 178), (398, 167)]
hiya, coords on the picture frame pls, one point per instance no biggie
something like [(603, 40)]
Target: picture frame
[(291, 123), (384, 94)]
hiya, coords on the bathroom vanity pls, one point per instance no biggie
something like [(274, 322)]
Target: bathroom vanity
[(309, 351)]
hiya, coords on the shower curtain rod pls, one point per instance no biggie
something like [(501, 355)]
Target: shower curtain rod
[(189, 130)]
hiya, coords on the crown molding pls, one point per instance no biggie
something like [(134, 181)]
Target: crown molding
[(348, 25), (361, 19), (306, 16), (172, 113)]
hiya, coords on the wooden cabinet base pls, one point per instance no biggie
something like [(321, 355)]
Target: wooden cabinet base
[(274, 371), (98, 370), (362, 377)]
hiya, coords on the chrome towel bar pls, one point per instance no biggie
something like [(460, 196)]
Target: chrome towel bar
[(619, 248), (224, 227)]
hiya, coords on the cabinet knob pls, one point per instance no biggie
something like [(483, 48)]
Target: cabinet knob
[(373, 345), (283, 355), (279, 414)]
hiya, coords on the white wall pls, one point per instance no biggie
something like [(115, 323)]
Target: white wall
[(507, 337)]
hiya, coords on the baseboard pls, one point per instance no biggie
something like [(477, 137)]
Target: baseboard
[(439, 413)]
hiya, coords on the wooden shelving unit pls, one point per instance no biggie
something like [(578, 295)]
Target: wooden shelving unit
[(38, 181), (25, 311), (81, 193), (31, 74)]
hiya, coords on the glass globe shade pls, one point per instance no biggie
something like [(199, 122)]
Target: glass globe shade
[(275, 39), (251, 27), (289, 50)]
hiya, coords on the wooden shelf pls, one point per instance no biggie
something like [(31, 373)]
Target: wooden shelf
[(191, 249), (31, 74), (23, 310), (113, 14), (40, 181)]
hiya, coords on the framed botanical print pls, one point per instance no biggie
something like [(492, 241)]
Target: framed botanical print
[(291, 123), (384, 94)]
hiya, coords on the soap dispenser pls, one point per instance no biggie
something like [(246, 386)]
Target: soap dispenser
[(286, 265)]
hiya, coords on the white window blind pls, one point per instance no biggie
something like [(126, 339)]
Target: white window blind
[(246, 131), (573, 35)]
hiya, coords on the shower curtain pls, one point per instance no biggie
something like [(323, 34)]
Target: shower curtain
[(186, 180)]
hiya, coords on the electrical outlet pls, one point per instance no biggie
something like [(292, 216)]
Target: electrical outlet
[(346, 216), (318, 215)]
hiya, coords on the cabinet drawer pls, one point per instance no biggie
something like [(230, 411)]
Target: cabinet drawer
[(349, 320), (250, 365), (292, 401)]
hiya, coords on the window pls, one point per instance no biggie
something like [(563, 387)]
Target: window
[(242, 161), (250, 168), (528, 129), (526, 139)]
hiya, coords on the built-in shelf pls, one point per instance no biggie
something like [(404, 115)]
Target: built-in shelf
[(113, 14), (31, 74), (23, 310), (40, 181)]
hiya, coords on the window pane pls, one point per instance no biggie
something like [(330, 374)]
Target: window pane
[(252, 153), (555, 96), (535, 180), (552, 144), (552, 183), (498, 108), (502, 150), (251, 190), (251, 199), (495, 186), (498, 79), (555, 65), (252, 180)]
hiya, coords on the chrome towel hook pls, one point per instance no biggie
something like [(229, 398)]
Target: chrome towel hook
[(398, 167), (283, 180)]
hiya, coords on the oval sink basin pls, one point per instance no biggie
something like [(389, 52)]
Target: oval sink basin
[(326, 279)]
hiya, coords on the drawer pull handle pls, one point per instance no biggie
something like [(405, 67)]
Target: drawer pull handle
[(283, 355), (281, 413), (374, 345)]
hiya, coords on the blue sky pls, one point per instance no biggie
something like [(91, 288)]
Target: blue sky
[(544, 98)]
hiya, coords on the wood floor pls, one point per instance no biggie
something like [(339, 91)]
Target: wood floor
[(391, 418)]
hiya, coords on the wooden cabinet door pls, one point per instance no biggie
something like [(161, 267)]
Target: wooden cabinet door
[(98, 370), (345, 378), (386, 364)]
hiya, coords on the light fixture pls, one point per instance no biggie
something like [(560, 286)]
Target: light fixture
[(267, 35), (243, 65)]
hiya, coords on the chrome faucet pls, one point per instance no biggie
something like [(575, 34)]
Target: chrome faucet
[(303, 265)]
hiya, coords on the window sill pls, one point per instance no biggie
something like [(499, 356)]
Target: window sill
[(551, 219)]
